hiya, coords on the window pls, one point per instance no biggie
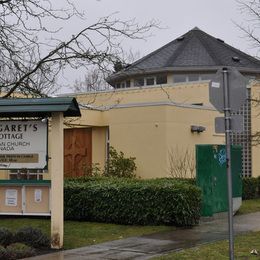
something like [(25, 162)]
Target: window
[(179, 78), (193, 77), (150, 81), (127, 83), (139, 82), (123, 84), (161, 79), (26, 175), (206, 76), (117, 85)]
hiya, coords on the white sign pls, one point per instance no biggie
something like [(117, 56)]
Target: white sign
[(23, 144), (37, 195), (11, 198)]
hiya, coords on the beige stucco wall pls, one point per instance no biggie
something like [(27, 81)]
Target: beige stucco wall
[(99, 146), (147, 122), (148, 133), (185, 93), (3, 174)]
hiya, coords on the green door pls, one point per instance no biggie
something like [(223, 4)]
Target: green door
[(204, 154), (212, 178), (219, 179)]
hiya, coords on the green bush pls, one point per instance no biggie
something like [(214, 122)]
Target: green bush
[(18, 251), (132, 201), (3, 253), (250, 188), (258, 186), (118, 165), (92, 170), (32, 237), (6, 237)]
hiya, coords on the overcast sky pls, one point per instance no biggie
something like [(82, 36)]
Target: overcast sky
[(216, 17)]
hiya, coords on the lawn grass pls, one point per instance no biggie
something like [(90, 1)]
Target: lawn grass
[(249, 206), (78, 234), (220, 250)]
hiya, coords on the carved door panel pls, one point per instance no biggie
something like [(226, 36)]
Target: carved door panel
[(77, 151)]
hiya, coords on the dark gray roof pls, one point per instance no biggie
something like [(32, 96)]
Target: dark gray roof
[(38, 107), (195, 50)]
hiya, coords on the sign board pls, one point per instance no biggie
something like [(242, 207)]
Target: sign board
[(237, 90), (23, 144), (37, 195), (11, 198), (237, 124)]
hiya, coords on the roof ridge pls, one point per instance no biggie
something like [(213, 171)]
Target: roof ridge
[(180, 48), (251, 58), (205, 45), (155, 51)]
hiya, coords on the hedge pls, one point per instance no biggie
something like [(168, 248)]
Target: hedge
[(128, 201), (251, 188)]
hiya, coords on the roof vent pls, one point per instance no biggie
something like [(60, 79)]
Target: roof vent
[(235, 58), (220, 40), (180, 38)]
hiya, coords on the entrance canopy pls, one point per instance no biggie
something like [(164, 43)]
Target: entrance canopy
[(39, 107)]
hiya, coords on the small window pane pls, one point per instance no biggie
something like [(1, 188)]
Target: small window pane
[(193, 77), (206, 76), (179, 78), (161, 79), (117, 85), (128, 83), (149, 81), (139, 82)]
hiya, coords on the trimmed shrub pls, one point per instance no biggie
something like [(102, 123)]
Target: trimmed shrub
[(132, 201), (250, 188), (6, 237), (3, 253), (19, 250), (32, 237)]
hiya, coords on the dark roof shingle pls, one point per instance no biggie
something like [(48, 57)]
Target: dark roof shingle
[(193, 50)]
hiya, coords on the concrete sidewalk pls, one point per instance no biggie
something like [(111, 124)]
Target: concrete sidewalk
[(148, 246)]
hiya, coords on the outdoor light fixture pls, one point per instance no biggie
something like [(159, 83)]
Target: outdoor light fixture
[(197, 129)]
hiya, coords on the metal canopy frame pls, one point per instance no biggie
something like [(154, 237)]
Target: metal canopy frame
[(39, 107)]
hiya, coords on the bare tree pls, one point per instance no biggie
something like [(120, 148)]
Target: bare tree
[(181, 163), (32, 54), (251, 27), (95, 79)]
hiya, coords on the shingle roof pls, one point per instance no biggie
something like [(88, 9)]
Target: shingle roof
[(195, 50)]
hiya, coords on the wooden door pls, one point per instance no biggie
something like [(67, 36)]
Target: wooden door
[(77, 151)]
